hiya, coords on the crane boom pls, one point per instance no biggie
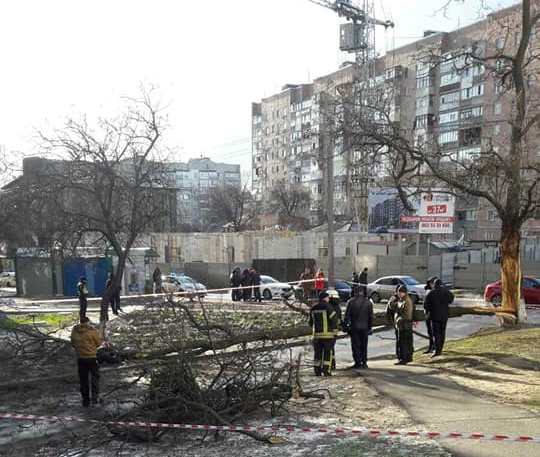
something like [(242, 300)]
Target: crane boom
[(351, 12)]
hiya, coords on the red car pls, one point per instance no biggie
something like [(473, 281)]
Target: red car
[(531, 292)]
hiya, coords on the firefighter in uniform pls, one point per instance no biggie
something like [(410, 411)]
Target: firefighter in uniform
[(324, 321)]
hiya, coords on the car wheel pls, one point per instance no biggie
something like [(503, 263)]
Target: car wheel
[(375, 297), (267, 295), (496, 300)]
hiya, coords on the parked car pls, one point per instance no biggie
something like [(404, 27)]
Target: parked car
[(8, 279), (383, 288), (342, 290), (271, 288), (182, 283), (530, 292)]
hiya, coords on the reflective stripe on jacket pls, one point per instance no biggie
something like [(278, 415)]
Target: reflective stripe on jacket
[(324, 321)]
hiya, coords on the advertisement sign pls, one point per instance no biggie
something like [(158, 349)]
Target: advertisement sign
[(439, 207), (385, 211), (432, 212)]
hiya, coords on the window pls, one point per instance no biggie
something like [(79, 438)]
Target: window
[(497, 108), (474, 91), (424, 121), (499, 43), (423, 82), (449, 117), (449, 100), (497, 129), (471, 215), (492, 215), (472, 113), (448, 137), (450, 78), (385, 281)]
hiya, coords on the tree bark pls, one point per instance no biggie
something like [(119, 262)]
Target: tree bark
[(510, 268)]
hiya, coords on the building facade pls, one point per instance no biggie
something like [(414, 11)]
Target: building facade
[(443, 101), (194, 181)]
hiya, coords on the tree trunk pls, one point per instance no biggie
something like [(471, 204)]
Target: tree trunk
[(510, 268), (107, 295)]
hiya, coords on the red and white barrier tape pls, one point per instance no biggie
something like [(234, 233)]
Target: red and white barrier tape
[(339, 431)]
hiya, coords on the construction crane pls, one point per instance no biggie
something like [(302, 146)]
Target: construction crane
[(357, 36)]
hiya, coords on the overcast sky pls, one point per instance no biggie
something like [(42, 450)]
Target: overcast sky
[(210, 60)]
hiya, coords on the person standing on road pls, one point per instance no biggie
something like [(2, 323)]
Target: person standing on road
[(308, 286), (358, 323), (256, 282), (336, 307), (401, 309), (246, 283), (323, 321), (429, 287), (236, 281), (437, 303), (156, 278), (363, 280), (115, 295), (86, 340), (82, 292), (355, 280), (319, 282)]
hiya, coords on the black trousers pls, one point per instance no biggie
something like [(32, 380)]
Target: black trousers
[(83, 304), (115, 303), (246, 294), (88, 378), (257, 293), (323, 353), (439, 334), (359, 344), (429, 327), (405, 345)]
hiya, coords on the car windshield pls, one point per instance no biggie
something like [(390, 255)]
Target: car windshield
[(184, 281), (268, 279), (410, 281)]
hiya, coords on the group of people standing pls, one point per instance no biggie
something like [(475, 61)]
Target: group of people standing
[(312, 282), (112, 290), (245, 284), (326, 321)]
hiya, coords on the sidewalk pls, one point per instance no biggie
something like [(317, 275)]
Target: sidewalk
[(444, 406)]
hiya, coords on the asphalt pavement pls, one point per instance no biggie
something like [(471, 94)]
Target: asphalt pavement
[(444, 406)]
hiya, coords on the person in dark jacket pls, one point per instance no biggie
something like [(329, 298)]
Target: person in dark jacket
[(400, 310), (323, 321), (359, 322), (436, 304), (255, 282), (363, 280), (156, 279), (82, 292), (246, 282), (429, 287), (114, 299), (355, 280), (334, 303), (236, 281)]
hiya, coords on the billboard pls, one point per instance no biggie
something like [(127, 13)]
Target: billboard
[(438, 210), (385, 209), (432, 212)]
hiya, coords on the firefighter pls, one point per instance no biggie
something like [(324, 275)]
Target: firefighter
[(324, 321)]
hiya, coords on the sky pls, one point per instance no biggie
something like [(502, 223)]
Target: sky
[(209, 60)]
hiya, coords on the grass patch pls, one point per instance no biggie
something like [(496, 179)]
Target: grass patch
[(49, 320), (497, 344)]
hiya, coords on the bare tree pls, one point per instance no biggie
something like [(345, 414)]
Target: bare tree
[(505, 169), (231, 205), (289, 200), (110, 179)]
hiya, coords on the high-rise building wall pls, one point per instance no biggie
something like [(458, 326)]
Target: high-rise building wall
[(443, 101)]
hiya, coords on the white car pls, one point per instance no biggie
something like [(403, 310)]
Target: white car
[(272, 288), (384, 288), (8, 279)]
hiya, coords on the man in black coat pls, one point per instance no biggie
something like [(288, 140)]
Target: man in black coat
[(358, 322), (430, 284), (436, 304), (363, 280), (256, 282)]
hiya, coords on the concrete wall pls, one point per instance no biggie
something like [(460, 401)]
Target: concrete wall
[(212, 275), (35, 279)]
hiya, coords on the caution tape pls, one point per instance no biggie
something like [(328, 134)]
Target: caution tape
[(338, 431)]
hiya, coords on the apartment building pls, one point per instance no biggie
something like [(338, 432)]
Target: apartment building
[(193, 182), (455, 105)]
